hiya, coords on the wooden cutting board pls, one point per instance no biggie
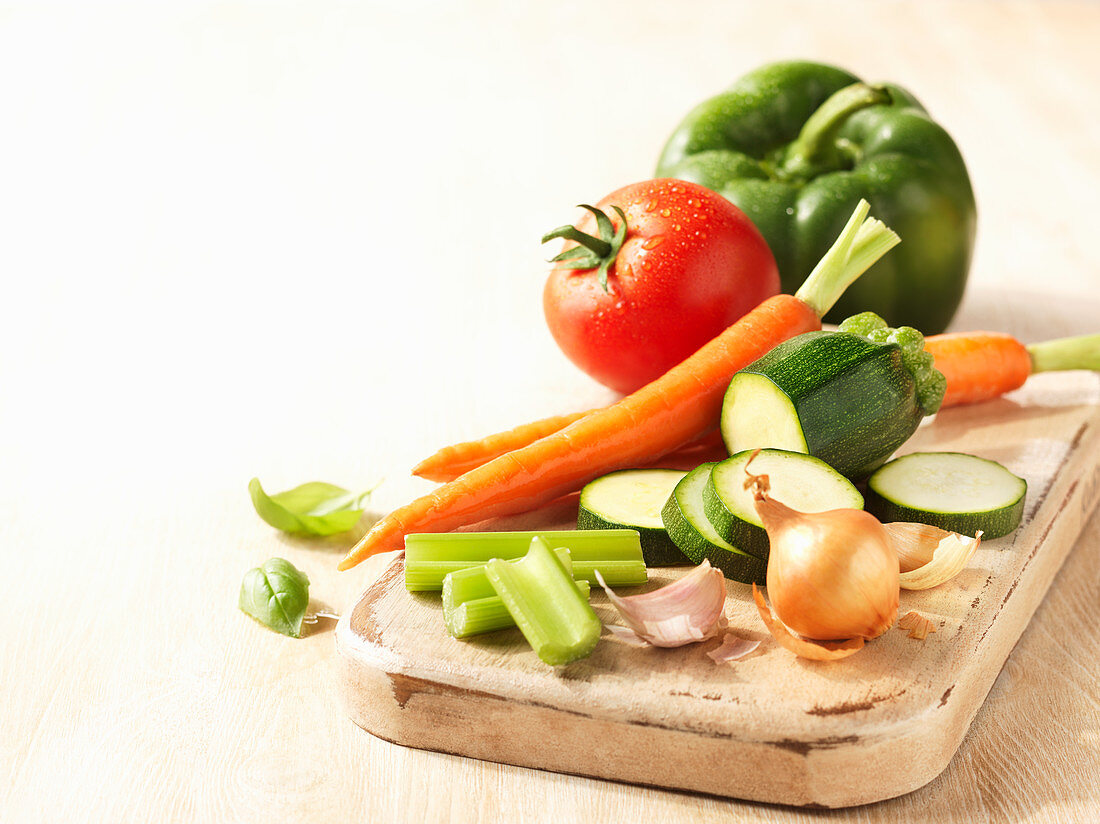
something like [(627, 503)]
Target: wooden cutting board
[(769, 727)]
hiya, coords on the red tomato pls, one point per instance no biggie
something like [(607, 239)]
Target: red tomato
[(691, 264)]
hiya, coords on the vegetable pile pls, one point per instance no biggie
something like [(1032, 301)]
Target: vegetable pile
[(668, 291), (810, 411), (675, 409)]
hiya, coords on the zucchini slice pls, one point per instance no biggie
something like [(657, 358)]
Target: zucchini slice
[(693, 533), (633, 499), (952, 490), (800, 481)]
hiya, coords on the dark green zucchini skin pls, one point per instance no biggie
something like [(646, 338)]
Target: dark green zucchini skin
[(737, 566), (657, 547), (855, 399), (740, 567), (747, 537), (994, 524)]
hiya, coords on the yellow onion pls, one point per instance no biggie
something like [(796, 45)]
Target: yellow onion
[(831, 575)]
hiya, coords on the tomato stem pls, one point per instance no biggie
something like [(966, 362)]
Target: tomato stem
[(591, 252)]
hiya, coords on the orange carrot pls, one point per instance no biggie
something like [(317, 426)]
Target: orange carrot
[(662, 416), (451, 461), (704, 443), (978, 366), (981, 366)]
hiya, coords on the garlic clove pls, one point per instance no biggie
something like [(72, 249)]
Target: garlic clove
[(683, 612), (945, 553), (813, 650), (627, 636), (732, 648)]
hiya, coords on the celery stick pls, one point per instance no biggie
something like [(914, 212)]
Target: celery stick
[(556, 620), (471, 584), (488, 614), (617, 553), (628, 572)]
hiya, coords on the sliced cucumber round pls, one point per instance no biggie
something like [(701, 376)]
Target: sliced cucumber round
[(693, 533), (800, 481), (633, 499), (952, 490)]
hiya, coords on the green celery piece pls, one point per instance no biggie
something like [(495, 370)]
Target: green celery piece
[(471, 584), (556, 620), (430, 557), (489, 614)]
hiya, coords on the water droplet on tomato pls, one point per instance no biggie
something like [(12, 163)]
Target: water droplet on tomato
[(676, 228), (649, 207), (653, 242), (666, 212)]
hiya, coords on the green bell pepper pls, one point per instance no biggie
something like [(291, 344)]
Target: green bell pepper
[(795, 145)]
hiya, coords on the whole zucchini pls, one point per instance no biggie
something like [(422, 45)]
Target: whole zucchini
[(850, 397)]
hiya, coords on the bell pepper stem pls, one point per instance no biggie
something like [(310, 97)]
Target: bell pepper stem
[(814, 151), (1081, 352), (860, 244)]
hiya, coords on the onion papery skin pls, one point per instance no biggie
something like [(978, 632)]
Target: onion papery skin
[(831, 575)]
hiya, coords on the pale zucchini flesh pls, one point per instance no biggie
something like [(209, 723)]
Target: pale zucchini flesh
[(633, 499), (689, 528), (800, 481), (764, 415), (952, 490)]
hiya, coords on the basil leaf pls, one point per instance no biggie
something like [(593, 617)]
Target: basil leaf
[(276, 594), (315, 508)]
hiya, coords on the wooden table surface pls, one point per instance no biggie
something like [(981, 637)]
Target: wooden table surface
[(300, 241)]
